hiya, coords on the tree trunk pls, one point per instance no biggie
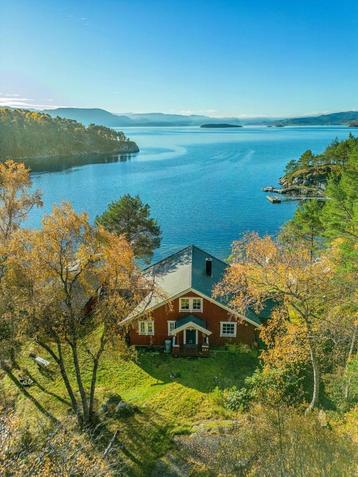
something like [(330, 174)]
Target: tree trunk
[(280, 435), (316, 378), (349, 357), (60, 363), (81, 388), (29, 396), (96, 360), (45, 391)]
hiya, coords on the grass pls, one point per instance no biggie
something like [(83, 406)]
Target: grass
[(174, 395)]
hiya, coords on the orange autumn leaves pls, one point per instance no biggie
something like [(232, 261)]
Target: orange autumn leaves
[(65, 288), (302, 289)]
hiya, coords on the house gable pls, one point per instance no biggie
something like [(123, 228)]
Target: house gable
[(190, 273), (183, 272), (212, 313)]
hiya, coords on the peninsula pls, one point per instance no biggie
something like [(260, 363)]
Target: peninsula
[(28, 135), (308, 176)]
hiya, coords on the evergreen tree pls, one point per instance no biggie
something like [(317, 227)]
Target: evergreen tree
[(306, 225), (340, 214), (130, 217)]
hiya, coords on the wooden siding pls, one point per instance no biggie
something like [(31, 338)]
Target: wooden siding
[(212, 314)]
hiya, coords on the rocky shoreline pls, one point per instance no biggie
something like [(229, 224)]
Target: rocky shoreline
[(296, 191)]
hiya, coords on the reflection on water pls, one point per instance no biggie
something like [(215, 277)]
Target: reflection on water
[(61, 163)]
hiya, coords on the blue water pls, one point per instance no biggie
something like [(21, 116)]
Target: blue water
[(203, 186)]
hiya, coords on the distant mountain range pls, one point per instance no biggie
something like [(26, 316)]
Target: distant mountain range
[(321, 120), (105, 118)]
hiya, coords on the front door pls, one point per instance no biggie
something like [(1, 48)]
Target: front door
[(190, 337)]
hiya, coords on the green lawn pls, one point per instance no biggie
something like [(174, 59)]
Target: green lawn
[(173, 395)]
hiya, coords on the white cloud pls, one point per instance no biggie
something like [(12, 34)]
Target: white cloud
[(202, 112), (16, 101)]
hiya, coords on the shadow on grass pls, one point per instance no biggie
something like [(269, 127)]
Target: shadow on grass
[(133, 445), (221, 369)]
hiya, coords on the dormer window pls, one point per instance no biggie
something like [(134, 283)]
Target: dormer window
[(197, 304), (184, 304), (191, 304)]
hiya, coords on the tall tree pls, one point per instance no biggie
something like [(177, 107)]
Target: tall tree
[(16, 201), (75, 283), (262, 270), (306, 225), (340, 214), (130, 217)]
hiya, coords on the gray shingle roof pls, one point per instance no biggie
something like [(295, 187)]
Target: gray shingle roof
[(186, 269), (181, 271)]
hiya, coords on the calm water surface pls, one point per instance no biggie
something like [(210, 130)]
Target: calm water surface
[(203, 186)]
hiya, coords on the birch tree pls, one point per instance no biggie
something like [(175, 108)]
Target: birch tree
[(75, 283), (263, 271)]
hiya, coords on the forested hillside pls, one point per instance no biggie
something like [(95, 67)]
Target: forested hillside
[(314, 170), (322, 120), (26, 135)]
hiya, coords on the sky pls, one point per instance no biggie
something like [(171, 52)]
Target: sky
[(242, 58)]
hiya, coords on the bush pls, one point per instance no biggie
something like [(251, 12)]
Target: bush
[(236, 399), (274, 442), (276, 385), (335, 385), (239, 348)]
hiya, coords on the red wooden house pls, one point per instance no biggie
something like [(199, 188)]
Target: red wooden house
[(184, 309)]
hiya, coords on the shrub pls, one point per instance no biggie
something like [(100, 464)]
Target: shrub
[(236, 399), (276, 385), (239, 348)]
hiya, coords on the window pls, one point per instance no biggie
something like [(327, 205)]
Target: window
[(184, 304), (171, 326), (146, 327), (197, 304), (227, 328), (191, 304)]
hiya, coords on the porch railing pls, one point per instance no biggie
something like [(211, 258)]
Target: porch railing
[(190, 350)]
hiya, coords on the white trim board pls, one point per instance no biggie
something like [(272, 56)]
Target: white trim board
[(191, 324), (174, 297), (231, 335)]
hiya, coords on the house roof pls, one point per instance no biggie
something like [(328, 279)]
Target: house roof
[(190, 321), (182, 271), (186, 269)]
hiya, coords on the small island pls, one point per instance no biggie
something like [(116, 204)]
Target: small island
[(220, 125)]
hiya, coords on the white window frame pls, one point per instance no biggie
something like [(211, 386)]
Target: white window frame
[(191, 301), (228, 335), (180, 304), (146, 331), (170, 328), (201, 304)]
